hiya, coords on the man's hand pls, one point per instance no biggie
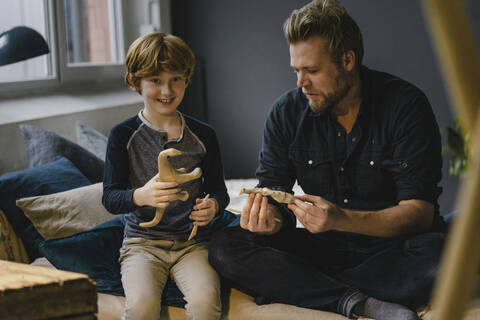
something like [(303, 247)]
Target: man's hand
[(156, 194), (204, 211), (319, 215), (316, 213), (259, 216)]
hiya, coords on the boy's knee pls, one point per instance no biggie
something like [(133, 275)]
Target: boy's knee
[(204, 304), (144, 308)]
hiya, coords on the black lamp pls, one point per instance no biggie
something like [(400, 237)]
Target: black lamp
[(21, 43)]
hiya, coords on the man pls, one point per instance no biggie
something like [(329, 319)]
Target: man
[(365, 148)]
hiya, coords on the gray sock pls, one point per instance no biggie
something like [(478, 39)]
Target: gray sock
[(381, 310)]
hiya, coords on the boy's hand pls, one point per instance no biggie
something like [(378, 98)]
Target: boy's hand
[(204, 211), (156, 194)]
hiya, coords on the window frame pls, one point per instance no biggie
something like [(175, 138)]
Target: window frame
[(64, 74)]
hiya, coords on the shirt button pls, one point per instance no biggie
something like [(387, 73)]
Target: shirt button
[(339, 134), (310, 162), (372, 163), (342, 169), (345, 200), (354, 139)]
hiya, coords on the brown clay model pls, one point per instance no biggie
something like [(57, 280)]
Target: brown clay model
[(279, 196), (195, 227), (167, 173)]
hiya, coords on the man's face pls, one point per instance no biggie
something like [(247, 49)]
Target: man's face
[(324, 82)]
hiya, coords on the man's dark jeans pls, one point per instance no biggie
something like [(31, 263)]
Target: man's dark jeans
[(328, 271)]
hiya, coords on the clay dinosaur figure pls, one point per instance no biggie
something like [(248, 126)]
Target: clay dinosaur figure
[(279, 196), (195, 227), (167, 173)]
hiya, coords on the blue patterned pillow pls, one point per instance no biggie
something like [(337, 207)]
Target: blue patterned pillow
[(42, 146), (56, 176)]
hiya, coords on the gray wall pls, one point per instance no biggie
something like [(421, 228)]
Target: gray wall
[(246, 64)]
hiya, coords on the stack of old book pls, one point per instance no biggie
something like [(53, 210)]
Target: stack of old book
[(30, 292)]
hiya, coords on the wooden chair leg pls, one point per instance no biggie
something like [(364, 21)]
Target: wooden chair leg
[(460, 261), (455, 46)]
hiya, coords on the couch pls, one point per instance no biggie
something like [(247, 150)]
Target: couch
[(51, 215)]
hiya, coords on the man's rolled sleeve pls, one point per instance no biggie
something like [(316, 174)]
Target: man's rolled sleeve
[(416, 158)]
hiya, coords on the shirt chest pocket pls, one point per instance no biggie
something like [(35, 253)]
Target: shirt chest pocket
[(313, 171)]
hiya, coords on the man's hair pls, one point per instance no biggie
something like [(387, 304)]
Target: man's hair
[(330, 20), (158, 52)]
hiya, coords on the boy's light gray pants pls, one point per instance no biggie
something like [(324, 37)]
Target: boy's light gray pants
[(145, 267)]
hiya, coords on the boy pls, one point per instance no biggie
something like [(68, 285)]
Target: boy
[(159, 67)]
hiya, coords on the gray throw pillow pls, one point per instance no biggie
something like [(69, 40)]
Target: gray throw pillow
[(65, 213), (43, 146), (91, 140)]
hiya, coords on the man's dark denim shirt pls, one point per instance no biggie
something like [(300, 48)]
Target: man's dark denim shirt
[(393, 152)]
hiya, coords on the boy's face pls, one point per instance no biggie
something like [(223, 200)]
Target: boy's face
[(163, 93)]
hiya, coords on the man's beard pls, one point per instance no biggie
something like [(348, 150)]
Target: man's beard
[(343, 85)]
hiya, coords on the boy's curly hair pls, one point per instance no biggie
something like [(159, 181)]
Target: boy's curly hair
[(157, 52)]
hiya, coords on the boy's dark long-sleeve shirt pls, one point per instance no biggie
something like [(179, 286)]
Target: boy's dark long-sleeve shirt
[(393, 152), (131, 161)]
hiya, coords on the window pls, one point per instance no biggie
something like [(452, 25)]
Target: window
[(90, 37), (85, 38)]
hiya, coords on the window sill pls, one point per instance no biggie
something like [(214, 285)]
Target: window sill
[(68, 101)]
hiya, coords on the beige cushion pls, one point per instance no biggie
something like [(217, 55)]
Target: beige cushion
[(65, 213), (242, 306), (239, 306), (11, 246)]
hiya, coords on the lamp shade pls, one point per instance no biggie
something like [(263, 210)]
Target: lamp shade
[(21, 43)]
